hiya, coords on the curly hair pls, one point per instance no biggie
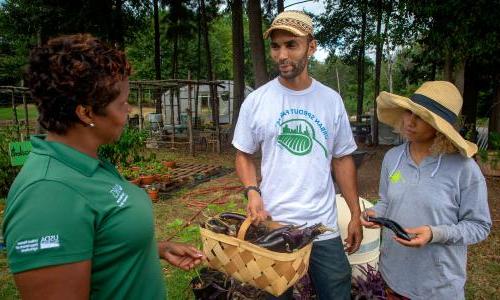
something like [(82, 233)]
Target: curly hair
[(73, 70), (442, 145)]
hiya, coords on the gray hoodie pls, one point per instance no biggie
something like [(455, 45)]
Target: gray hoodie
[(447, 192)]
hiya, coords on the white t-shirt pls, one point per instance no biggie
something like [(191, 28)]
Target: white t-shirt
[(298, 132)]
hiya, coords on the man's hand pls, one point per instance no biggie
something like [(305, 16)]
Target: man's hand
[(354, 235), (180, 255), (255, 207), (421, 236)]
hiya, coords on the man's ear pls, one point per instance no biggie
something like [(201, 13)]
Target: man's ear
[(85, 114), (313, 45)]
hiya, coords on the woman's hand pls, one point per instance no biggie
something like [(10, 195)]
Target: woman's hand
[(421, 236), (180, 255), (364, 215)]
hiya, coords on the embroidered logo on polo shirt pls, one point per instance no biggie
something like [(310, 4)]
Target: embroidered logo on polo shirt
[(34, 245), (119, 195), (396, 177), (49, 241)]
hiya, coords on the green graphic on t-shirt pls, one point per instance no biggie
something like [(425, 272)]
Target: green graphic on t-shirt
[(297, 136)]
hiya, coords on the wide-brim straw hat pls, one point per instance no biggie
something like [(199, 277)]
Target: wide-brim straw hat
[(294, 21), (436, 102)]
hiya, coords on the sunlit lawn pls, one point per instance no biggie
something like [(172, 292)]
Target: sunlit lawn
[(6, 113)]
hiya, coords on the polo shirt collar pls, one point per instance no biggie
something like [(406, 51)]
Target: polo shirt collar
[(67, 155), (427, 160)]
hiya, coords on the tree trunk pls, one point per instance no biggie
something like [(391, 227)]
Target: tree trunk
[(213, 91), (198, 75), (117, 25), (238, 59), (433, 71), (448, 68), (157, 52), (378, 66), (459, 77), (361, 63), (257, 42), (471, 92), (494, 125), (281, 5), (175, 54)]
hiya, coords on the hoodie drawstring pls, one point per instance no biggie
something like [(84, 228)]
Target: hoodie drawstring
[(438, 165)]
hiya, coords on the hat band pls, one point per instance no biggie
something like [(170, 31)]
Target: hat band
[(435, 107)]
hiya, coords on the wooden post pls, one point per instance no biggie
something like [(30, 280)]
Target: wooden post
[(172, 117), (178, 96), (139, 96), (26, 118), (217, 114), (14, 115), (189, 118)]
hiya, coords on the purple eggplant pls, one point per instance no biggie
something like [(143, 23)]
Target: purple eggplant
[(233, 216), (272, 234), (277, 244)]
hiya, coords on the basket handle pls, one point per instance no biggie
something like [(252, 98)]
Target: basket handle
[(243, 228)]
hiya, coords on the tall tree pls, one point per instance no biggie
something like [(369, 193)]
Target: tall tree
[(453, 30), (281, 5), (238, 59), (180, 25), (344, 28), (257, 42), (156, 20), (379, 40), (361, 60), (214, 100)]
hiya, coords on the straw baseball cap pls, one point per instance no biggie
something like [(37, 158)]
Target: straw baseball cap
[(293, 21), (436, 102)]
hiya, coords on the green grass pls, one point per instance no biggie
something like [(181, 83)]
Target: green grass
[(7, 114)]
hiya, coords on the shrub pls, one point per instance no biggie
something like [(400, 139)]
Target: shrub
[(368, 286), (9, 172), (127, 149)]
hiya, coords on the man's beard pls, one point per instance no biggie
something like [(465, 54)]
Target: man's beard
[(296, 70)]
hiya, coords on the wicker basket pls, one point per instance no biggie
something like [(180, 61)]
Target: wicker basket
[(271, 271)]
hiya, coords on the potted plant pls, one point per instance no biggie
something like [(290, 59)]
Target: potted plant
[(489, 160), (152, 192), (131, 175), (148, 174), (170, 164)]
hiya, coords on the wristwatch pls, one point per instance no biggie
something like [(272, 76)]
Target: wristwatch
[(251, 187)]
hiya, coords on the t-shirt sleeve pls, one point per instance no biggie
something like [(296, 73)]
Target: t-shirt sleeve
[(244, 138), (47, 224), (343, 141)]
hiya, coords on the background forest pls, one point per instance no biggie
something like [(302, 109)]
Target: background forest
[(373, 45)]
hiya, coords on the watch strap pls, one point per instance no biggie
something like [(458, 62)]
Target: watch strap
[(249, 188)]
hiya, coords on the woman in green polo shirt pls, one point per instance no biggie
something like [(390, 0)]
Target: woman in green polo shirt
[(74, 228)]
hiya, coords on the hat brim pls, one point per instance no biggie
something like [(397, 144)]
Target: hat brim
[(390, 108), (290, 29)]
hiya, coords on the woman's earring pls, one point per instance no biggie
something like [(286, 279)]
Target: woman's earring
[(92, 125)]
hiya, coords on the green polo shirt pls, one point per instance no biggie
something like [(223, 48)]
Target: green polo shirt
[(66, 207)]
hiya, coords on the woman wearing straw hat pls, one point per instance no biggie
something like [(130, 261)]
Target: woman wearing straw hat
[(432, 188)]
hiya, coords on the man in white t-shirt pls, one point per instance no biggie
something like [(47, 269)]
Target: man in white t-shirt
[(303, 131)]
